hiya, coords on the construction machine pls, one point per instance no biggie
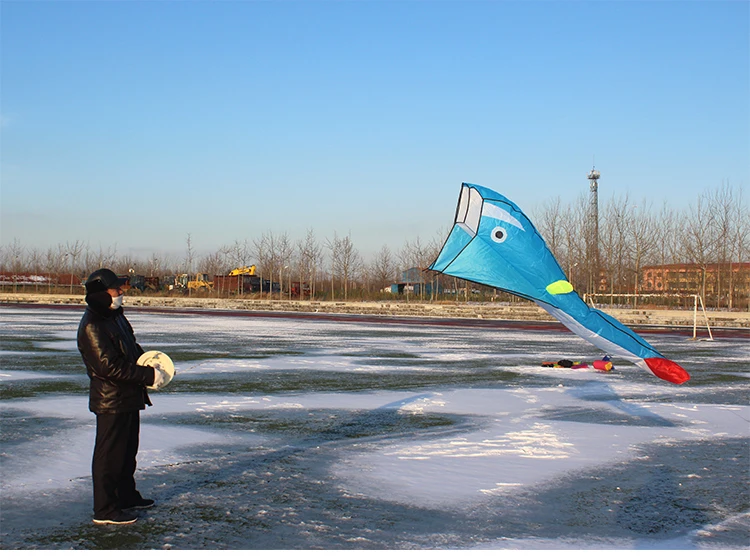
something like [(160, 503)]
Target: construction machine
[(199, 282), (248, 270)]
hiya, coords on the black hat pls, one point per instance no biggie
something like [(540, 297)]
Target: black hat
[(102, 280)]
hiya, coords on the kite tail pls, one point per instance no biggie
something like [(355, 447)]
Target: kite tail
[(667, 370)]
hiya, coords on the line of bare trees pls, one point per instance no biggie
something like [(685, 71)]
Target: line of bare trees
[(632, 235), (331, 268), (715, 229)]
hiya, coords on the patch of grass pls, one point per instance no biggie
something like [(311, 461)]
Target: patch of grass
[(35, 388), (323, 425), (198, 356)]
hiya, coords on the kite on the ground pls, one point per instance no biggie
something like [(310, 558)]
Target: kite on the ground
[(493, 243)]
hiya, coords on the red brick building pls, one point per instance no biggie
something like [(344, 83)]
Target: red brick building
[(726, 284)]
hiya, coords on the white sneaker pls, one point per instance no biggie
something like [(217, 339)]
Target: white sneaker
[(118, 519)]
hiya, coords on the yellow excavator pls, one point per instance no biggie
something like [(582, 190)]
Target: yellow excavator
[(249, 270), (200, 282)]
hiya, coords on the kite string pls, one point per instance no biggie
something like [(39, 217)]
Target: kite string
[(187, 369), (739, 416)]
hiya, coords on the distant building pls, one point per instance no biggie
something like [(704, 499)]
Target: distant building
[(32, 279), (412, 276), (689, 279), (416, 282)]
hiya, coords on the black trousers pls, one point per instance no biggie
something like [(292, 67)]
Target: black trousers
[(113, 466)]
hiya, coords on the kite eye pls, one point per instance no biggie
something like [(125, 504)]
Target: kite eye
[(499, 235)]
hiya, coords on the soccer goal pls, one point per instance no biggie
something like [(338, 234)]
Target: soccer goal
[(631, 301), (698, 298)]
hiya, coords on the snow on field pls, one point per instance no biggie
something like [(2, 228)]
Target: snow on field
[(457, 423)]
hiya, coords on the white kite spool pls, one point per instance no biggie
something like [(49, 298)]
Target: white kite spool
[(155, 358)]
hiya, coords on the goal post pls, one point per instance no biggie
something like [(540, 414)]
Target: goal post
[(695, 317), (631, 301)]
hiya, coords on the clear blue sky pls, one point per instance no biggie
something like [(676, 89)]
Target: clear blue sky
[(137, 123)]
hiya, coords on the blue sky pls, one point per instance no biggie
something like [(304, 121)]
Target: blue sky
[(137, 123)]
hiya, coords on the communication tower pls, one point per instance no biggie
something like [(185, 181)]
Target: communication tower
[(593, 233), (593, 177)]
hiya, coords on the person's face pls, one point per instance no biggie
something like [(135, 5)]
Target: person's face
[(115, 292)]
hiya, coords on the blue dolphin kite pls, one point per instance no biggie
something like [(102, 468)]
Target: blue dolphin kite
[(493, 243)]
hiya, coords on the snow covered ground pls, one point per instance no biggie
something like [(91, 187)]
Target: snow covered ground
[(312, 434)]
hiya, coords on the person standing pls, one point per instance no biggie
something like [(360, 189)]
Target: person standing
[(117, 394)]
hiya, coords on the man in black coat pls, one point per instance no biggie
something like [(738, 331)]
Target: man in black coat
[(117, 394)]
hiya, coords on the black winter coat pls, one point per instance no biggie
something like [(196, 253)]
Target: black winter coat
[(109, 350)]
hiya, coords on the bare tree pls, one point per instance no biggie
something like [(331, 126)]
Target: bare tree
[(35, 264), (573, 230), (189, 257), (214, 263), (345, 261), (310, 256), (238, 255), (73, 250), (549, 224), (666, 233), (609, 239), (266, 253), (54, 261), (698, 240), (723, 204), (730, 225), (741, 242), (617, 246), (419, 257), (154, 262), (15, 253), (406, 263), (382, 268), (104, 258), (333, 247), (285, 250), (642, 233), (351, 263), (431, 252)]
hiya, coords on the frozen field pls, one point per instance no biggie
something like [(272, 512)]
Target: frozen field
[(305, 434)]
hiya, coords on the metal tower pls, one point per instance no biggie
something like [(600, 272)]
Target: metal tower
[(593, 231), (593, 177)]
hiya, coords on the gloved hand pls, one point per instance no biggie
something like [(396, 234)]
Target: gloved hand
[(160, 378)]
